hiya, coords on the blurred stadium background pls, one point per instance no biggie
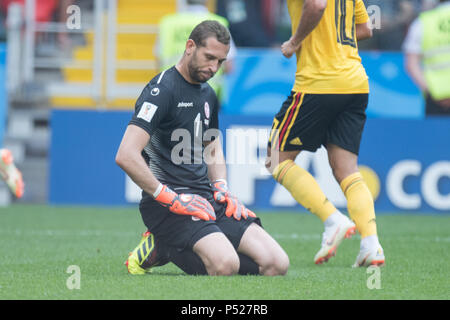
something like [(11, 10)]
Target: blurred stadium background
[(71, 75)]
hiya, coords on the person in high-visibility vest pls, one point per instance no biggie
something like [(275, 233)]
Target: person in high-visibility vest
[(427, 50), (174, 30)]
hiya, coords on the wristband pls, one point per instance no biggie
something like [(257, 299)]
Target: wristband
[(158, 190), (221, 180)]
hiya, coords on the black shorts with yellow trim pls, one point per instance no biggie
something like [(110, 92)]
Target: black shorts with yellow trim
[(308, 121)]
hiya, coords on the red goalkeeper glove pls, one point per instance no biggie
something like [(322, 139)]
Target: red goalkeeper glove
[(234, 207), (186, 204)]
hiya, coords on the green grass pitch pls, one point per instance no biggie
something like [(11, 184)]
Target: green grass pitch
[(39, 243)]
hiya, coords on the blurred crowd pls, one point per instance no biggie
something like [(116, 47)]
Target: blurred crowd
[(396, 17), (266, 23), (46, 11)]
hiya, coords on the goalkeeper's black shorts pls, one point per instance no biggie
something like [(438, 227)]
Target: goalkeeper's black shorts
[(308, 121), (183, 231)]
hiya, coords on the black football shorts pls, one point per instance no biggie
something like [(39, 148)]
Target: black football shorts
[(308, 121), (183, 231)]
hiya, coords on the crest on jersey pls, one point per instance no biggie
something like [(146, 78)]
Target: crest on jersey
[(154, 92), (206, 109)]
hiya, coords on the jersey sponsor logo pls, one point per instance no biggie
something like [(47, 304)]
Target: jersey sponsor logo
[(154, 92), (147, 111), (185, 104), (207, 109)]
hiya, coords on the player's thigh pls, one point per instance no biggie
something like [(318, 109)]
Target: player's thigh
[(347, 127), (342, 162), (217, 253), (264, 250), (344, 136)]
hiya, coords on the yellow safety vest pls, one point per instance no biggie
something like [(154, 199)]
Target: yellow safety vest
[(436, 51)]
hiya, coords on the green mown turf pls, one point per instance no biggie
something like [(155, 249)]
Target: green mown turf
[(39, 243)]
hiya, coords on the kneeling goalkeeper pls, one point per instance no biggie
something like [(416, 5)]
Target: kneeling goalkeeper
[(191, 217)]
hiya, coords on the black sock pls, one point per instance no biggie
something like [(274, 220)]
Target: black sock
[(188, 261), (192, 264), (247, 265)]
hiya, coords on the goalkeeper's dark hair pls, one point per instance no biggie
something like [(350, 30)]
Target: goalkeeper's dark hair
[(210, 28)]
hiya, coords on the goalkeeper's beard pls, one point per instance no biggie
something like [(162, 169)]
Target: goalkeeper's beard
[(196, 73)]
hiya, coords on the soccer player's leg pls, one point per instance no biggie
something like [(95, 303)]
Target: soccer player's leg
[(294, 130), (258, 252), (168, 231), (205, 251), (300, 183), (146, 255), (259, 246), (191, 263), (10, 174), (360, 204), (217, 254), (196, 246), (304, 129), (306, 191), (344, 138)]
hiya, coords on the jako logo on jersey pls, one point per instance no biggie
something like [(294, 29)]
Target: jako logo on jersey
[(185, 104)]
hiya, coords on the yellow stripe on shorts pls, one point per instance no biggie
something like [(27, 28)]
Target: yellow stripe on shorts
[(292, 122), (286, 114)]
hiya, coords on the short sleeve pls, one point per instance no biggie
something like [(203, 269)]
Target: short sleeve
[(413, 40), (152, 107), (361, 15)]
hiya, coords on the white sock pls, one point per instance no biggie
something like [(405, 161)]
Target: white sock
[(333, 219), (370, 242)]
